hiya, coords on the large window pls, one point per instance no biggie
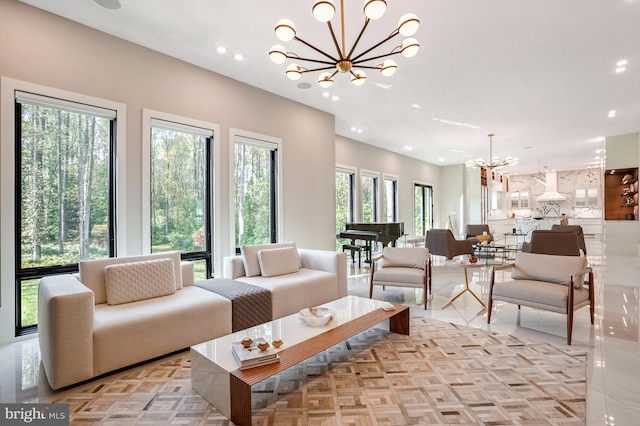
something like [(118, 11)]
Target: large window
[(255, 184), (181, 170), (423, 208), (65, 192), (390, 199), (369, 190), (345, 188)]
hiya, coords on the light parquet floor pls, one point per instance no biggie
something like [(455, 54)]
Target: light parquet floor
[(441, 374)]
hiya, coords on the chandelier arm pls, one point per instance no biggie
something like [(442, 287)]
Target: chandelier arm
[(315, 48), (372, 58), (370, 67), (393, 34), (317, 61), (364, 27), (335, 40), (344, 47), (332, 67)]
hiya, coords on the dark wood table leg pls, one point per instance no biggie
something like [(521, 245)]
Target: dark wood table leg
[(240, 393), (399, 323)]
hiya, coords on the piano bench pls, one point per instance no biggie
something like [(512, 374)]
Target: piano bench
[(353, 248)]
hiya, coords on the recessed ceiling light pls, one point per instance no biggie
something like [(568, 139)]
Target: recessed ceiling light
[(612, 113), (416, 106), (599, 139), (408, 148), (109, 4), (620, 69), (441, 160), (221, 50), (335, 98), (621, 63), (238, 57), (325, 94)]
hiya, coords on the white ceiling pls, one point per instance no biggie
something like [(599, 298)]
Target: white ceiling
[(540, 74)]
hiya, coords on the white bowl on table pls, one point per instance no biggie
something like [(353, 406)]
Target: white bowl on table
[(316, 316)]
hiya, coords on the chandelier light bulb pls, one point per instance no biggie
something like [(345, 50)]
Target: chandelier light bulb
[(408, 24), (323, 10), (325, 81), (278, 54), (374, 9), (294, 72), (410, 47), (285, 30), (388, 68), (358, 77)]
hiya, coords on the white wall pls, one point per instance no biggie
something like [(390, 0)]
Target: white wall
[(44, 49), (360, 156)]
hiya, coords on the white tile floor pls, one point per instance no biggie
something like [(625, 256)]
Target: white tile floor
[(613, 371)]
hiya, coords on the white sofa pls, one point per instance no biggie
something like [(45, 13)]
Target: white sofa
[(296, 281), (121, 311)]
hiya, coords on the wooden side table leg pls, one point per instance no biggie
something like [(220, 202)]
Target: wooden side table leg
[(240, 394)]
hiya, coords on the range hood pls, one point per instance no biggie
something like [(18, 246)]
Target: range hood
[(551, 189)]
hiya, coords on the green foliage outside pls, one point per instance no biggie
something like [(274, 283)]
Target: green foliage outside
[(252, 179), (177, 191), (64, 189), (368, 195)]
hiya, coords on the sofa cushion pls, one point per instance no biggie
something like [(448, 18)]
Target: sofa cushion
[(279, 261), (302, 289), (130, 282), (250, 256), (548, 268), (404, 257), (92, 271)]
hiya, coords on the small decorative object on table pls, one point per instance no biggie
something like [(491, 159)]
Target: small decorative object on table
[(316, 316), (484, 239), (473, 259), (254, 355)]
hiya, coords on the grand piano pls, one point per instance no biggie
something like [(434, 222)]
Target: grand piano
[(371, 233)]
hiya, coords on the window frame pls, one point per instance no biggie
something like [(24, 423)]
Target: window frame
[(212, 254), (424, 187), (276, 178), (351, 213), (9, 312), (375, 191), (394, 180)]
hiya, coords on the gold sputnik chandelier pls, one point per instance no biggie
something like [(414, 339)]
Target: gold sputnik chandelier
[(346, 61), (494, 162)]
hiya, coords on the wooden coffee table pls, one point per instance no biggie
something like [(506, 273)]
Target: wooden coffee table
[(215, 374)]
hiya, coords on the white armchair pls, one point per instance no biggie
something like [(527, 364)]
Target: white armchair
[(402, 267)]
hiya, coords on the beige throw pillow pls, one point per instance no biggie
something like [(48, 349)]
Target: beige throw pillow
[(130, 282), (279, 261), (250, 256)]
